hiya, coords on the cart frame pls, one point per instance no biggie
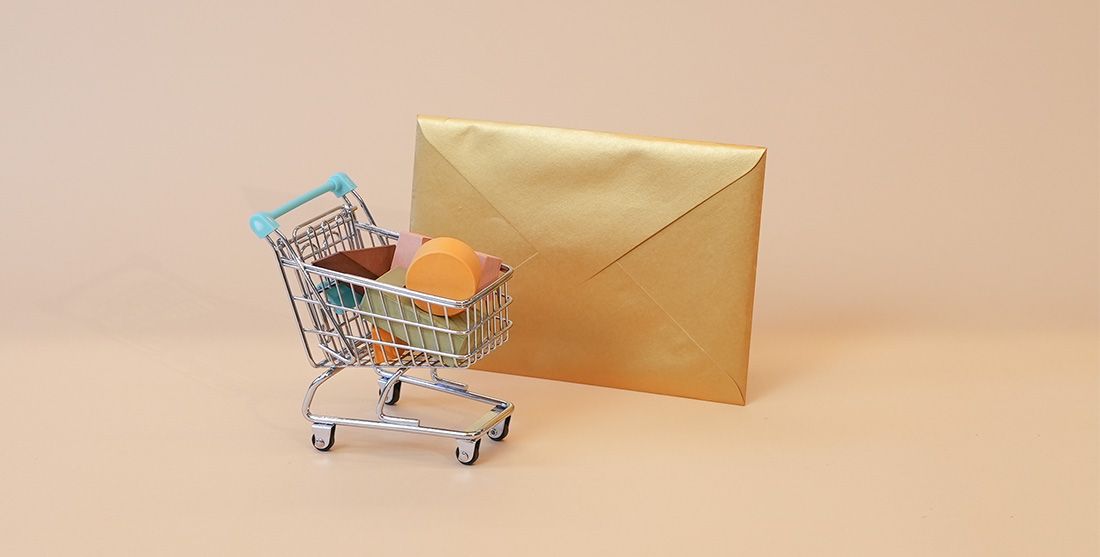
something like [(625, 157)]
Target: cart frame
[(340, 316)]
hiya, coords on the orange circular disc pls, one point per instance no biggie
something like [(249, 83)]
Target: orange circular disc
[(444, 267)]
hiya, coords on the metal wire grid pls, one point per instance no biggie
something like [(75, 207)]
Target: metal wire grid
[(342, 328)]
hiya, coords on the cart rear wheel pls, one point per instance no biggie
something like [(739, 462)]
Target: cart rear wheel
[(466, 456), (324, 435), (395, 394), (500, 431)]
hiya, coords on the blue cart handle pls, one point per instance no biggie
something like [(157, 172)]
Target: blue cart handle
[(263, 223)]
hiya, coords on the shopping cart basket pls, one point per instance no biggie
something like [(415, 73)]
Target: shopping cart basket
[(340, 316)]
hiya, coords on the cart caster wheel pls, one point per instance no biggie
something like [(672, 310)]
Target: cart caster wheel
[(467, 453), (324, 435), (500, 431), (395, 394)]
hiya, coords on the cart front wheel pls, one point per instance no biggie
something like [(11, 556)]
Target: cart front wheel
[(500, 431), (395, 394), (324, 435), (467, 455)]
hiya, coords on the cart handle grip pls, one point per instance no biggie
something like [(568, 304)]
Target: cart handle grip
[(263, 223)]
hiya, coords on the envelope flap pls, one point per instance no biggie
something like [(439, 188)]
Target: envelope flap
[(441, 193), (564, 188), (720, 270)]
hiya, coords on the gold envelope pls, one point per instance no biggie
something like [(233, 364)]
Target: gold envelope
[(634, 257)]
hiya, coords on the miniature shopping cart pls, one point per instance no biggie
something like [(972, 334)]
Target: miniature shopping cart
[(339, 335)]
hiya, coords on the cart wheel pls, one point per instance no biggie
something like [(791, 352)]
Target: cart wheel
[(395, 394), (324, 435), (500, 431), (467, 456)]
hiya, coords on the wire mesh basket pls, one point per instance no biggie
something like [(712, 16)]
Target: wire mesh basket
[(348, 321)]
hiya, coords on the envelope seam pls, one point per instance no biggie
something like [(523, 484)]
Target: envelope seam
[(482, 195), (681, 327), (521, 263), (670, 223), (612, 135)]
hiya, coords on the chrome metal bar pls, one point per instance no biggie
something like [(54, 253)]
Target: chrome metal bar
[(439, 380), (500, 411), (384, 395), (312, 390)]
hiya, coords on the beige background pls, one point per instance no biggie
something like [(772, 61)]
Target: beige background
[(924, 370)]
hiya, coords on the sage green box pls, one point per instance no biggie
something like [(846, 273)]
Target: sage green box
[(400, 307)]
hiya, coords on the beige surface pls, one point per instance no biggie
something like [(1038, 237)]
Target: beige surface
[(863, 444), (932, 176)]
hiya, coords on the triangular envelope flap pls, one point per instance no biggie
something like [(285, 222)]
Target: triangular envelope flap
[(590, 196), (441, 195), (606, 332), (713, 249)]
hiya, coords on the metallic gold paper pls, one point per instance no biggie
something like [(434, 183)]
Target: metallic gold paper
[(635, 257)]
